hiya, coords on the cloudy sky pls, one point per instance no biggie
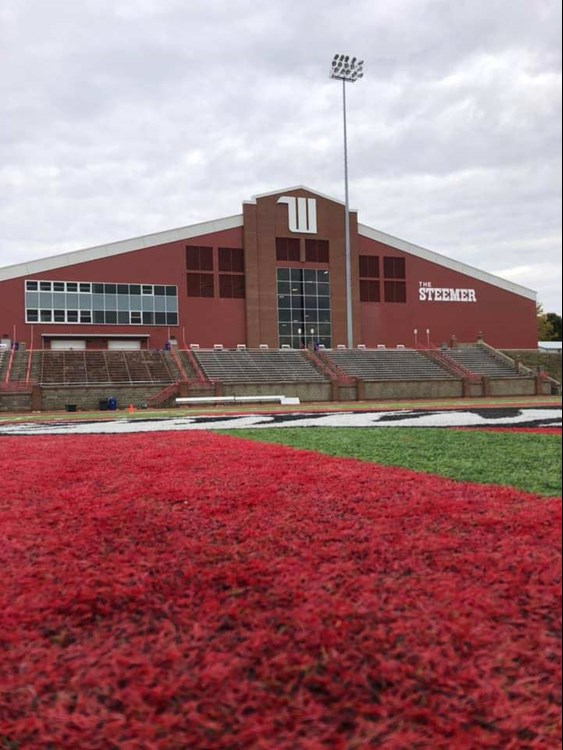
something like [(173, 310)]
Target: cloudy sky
[(125, 117)]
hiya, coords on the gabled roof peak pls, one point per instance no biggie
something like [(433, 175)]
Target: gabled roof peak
[(255, 198)]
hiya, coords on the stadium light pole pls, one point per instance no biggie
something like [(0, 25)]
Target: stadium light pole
[(348, 70)]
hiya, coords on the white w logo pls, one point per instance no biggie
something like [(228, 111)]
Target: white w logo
[(302, 214)]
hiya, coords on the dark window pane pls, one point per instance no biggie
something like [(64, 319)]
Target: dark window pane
[(160, 318), (148, 318), (111, 317), (239, 287), (395, 291), (394, 268), (123, 289), (71, 287), (159, 291), (172, 319), (192, 258), (296, 274), (59, 316), (98, 288), (401, 292), (31, 286), (369, 266), (135, 318), (110, 288), (231, 259), (316, 251), (122, 318), (99, 316), (288, 249), (72, 316), (206, 258), (201, 285), (146, 289), (135, 289), (199, 258), (85, 288), (225, 286), (369, 291), (171, 291), (32, 316)]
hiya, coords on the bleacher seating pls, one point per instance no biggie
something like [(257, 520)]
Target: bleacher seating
[(258, 367), (4, 357), (388, 364), (99, 367), (481, 362)]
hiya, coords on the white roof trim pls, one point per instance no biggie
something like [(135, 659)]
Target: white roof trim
[(442, 260), (255, 198), (118, 248)]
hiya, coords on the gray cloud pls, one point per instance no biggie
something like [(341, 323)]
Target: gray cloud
[(122, 117)]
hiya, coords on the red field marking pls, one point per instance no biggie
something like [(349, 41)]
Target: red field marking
[(193, 591)]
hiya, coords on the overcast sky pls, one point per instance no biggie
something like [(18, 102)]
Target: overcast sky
[(125, 117)]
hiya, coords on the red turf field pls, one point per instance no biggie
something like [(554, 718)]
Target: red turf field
[(186, 590)]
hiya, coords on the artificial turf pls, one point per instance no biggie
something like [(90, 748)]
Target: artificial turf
[(188, 591), (529, 462)]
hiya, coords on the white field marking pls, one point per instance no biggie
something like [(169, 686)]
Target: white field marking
[(546, 417)]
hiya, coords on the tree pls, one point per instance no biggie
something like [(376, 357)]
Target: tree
[(555, 322), (545, 328)]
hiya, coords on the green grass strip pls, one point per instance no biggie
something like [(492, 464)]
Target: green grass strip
[(529, 462)]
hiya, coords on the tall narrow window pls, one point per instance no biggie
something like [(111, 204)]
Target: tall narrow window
[(369, 279), (395, 273)]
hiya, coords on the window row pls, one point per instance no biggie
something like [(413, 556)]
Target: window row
[(299, 275), (231, 286), (394, 291), (288, 249), (60, 300), (230, 259), (393, 268), (74, 287), (99, 317)]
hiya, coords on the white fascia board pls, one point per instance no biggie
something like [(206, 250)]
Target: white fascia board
[(119, 248), (255, 198), (442, 260)]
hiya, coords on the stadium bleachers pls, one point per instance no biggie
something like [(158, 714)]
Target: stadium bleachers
[(258, 367), (481, 362), (100, 367), (390, 364)]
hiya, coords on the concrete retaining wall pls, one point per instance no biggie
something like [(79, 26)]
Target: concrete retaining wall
[(304, 391), (87, 398), (412, 389), (512, 387)]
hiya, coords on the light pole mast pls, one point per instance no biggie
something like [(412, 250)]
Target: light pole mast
[(347, 70)]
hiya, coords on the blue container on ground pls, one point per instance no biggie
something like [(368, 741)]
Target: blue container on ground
[(112, 403)]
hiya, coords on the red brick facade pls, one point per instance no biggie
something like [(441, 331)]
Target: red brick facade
[(435, 296)]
